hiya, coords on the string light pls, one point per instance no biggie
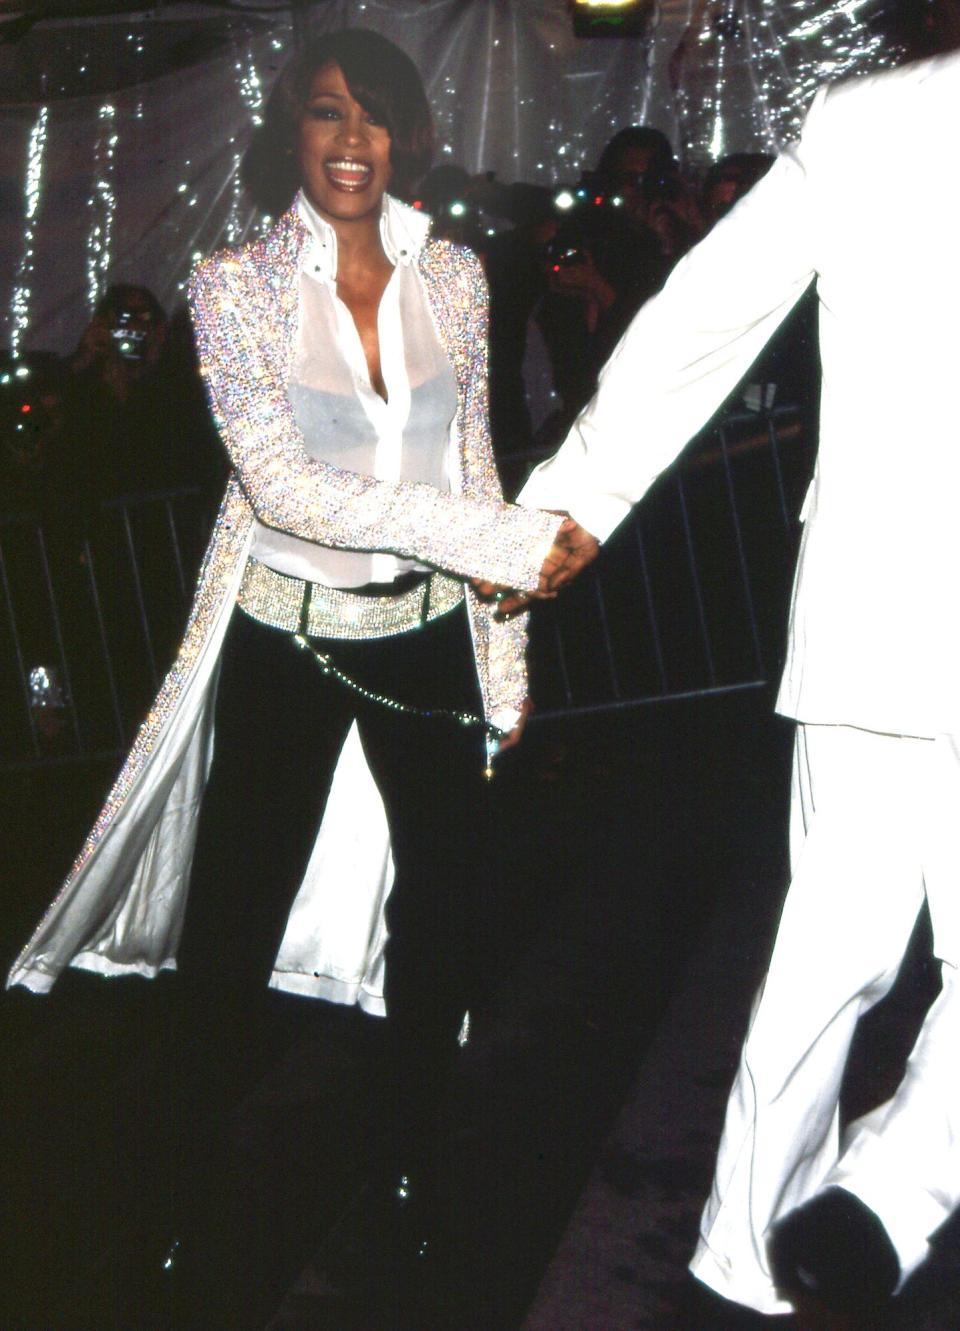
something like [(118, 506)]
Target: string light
[(812, 27), (102, 203), (745, 73), (830, 45), (445, 107), (135, 38), (22, 290), (250, 90)]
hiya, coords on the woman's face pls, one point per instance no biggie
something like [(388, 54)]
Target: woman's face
[(344, 151)]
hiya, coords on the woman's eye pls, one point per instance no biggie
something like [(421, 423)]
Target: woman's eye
[(323, 112)]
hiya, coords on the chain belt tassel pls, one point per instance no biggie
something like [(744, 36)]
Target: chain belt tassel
[(492, 734)]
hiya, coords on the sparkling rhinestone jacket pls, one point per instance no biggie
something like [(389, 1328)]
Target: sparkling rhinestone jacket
[(121, 906)]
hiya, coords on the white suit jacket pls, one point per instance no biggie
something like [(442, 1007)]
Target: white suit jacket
[(868, 204)]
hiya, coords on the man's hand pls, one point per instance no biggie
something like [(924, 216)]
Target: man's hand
[(572, 550)]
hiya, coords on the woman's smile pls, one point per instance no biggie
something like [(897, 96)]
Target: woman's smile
[(347, 173)]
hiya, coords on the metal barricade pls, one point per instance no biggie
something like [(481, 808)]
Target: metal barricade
[(689, 598), (92, 611)]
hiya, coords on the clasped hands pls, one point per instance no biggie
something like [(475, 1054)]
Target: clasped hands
[(572, 550)]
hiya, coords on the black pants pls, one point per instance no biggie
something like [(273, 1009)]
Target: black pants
[(279, 726)]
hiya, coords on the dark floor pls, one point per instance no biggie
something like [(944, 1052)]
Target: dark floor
[(646, 862)]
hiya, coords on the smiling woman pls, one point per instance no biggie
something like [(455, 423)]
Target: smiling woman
[(345, 356), (305, 806)]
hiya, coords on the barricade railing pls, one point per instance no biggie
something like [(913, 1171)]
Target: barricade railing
[(689, 597), (687, 600), (93, 604)]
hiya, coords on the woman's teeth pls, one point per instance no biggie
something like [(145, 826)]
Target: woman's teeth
[(347, 174)]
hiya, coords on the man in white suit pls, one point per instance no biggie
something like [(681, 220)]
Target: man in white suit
[(866, 205)]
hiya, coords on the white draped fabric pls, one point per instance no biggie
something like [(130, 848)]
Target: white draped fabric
[(147, 115)]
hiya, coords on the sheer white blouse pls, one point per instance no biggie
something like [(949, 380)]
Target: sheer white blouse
[(344, 421)]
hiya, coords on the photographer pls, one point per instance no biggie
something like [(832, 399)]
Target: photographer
[(597, 270), (638, 166), (728, 180), (118, 435), (566, 282), (111, 397)]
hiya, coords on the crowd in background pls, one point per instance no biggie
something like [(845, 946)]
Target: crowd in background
[(124, 413), (110, 469), (91, 441), (568, 268)]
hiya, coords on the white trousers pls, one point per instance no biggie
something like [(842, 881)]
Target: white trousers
[(875, 828)]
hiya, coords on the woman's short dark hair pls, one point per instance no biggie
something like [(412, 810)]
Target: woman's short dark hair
[(382, 78)]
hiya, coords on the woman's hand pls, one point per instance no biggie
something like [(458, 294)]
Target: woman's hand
[(513, 737), (573, 549)]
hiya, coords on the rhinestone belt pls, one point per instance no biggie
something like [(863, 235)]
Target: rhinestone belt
[(277, 600)]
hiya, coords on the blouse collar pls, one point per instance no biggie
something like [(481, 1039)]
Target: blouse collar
[(403, 231)]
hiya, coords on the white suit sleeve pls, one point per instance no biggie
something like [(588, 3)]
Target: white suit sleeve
[(686, 350)]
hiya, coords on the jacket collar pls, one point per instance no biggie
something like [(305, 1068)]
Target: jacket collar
[(403, 231)]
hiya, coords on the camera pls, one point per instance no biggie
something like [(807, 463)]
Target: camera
[(566, 249), (589, 221), (128, 339)]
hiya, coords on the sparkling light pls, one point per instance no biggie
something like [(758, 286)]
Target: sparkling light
[(102, 204), (446, 111), (20, 303), (745, 71), (814, 26), (250, 88), (135, 39), (250, 91)]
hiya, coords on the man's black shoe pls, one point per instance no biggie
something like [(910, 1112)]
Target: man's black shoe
[(835, 1251)]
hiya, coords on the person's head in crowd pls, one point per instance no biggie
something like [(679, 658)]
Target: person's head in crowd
[(124, 338), (295, 146), (918, 27), (638, 167), (729, 179), (635, 162)]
